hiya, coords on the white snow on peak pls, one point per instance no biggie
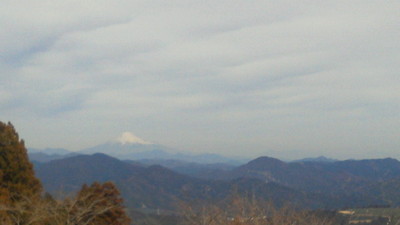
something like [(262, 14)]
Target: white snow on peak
[(129, 138)]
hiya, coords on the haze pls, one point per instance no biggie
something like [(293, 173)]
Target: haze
[(279, 78)]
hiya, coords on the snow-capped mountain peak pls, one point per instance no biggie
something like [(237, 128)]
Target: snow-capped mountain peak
[(130, 138)]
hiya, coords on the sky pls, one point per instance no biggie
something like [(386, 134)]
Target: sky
[(286, 79)]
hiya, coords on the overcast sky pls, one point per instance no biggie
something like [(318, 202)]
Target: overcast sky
[(287, 79)]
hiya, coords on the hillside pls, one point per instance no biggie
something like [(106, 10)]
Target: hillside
[(155, 186), (319, 177), (355, 183), (184, 167), (331, 185)]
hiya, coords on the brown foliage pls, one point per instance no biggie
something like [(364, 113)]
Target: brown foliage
[(101, 204), (17, 177), (21, 202)]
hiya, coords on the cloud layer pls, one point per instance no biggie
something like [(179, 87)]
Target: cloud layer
[(236, 77)]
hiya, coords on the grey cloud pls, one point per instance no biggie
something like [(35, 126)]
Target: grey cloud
[(277, 76)]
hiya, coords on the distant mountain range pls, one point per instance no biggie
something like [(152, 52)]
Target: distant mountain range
[(188, 168), (349, 183), (49, 154), (155, 187), (131, 147), (152, 176), (50, 151), (317, 159), (135, 151)]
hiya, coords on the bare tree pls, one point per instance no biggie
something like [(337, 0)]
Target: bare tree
[(245, 211), (95, 205)]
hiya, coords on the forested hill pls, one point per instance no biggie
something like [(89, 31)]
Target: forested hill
[(156, 186), (307, 184)]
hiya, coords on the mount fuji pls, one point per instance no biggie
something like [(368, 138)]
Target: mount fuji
[(130, 147)]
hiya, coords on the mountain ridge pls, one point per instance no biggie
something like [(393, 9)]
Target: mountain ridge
[(155, 186)]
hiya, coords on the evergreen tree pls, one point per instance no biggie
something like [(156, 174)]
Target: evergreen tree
[(17, 178)]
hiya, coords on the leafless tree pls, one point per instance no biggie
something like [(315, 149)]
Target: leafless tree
[(86, 208), (245, 211)]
